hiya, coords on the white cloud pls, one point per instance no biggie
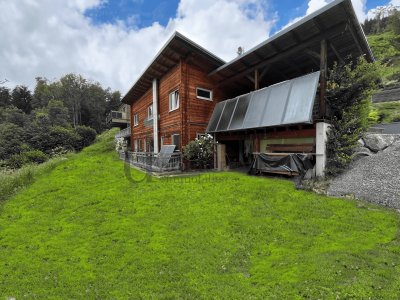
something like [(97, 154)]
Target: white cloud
[(51, 38), (314, 5)]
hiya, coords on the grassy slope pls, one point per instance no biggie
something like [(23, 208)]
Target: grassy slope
[(85, 231), (386, 46)]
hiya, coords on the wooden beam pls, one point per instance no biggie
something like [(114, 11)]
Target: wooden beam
[(322, 85), (336, 53), (256, 80), (313, 54), (250, 78), (280, 56), (266, 69)]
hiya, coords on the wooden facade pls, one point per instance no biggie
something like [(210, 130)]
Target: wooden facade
[(188, 121)]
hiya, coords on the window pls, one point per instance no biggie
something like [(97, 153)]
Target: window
[(199, 135), (150, 112), (135, 146), (204, 94), (175, 140), (135, 119), (174, 100)]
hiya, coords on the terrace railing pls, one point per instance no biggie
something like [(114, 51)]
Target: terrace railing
[(152, 161), (124, 132)]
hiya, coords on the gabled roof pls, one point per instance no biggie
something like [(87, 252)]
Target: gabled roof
[(176, 48), (294, 50)]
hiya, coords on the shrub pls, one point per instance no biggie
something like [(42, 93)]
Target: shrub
[(348, 93), (16, 161), (35, 156), (64, 137), (11, 140), (87, 134), (200, 151)]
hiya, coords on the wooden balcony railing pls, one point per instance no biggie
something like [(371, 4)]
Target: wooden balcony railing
[(152, 161)]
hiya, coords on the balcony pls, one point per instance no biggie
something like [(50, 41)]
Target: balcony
[(153, 162), (124, 133), (117, 118)]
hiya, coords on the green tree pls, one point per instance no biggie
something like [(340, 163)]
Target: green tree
[(14, 115), (42, 94), (5, 97), (57, 113), (11, 140), (394, 21), (348, 96), (22, 98)]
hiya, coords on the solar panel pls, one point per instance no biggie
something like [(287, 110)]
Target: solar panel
[(240, 112), (213, 123), (256, 107), (275, 108), (227, 115), (288, 102), (299, 108)]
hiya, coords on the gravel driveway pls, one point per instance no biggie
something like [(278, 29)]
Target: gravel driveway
[(373, 178)]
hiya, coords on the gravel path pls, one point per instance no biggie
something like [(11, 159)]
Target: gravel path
[(373, 178)]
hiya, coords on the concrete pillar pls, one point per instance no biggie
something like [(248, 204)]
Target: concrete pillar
[(321, 138), (155, 115), (221, 158)]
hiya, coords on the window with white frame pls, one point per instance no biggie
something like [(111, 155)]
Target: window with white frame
[(135, 119), (199, 135), (150, 112), (135, 145), (204, 94), (174, 100)]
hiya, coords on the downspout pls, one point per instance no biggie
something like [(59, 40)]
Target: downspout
[(155, 115)]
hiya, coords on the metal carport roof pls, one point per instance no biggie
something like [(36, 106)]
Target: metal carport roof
[(295, 50)]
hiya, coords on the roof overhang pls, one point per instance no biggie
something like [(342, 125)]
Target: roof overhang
[(178, 47), (295, 50)]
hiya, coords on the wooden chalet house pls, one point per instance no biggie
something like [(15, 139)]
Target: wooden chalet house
[(269, 99)]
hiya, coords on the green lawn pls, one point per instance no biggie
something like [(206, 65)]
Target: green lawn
[(84, 231)]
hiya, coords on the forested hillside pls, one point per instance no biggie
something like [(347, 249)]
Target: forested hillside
[(56, 117), (383, 33)]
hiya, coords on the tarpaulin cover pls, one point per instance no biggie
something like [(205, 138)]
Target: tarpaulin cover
[(294, 162)]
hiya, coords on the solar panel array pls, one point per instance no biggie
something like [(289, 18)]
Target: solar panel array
[(288, 102)]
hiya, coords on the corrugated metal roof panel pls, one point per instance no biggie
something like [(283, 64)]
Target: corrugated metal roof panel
[(288, 102)]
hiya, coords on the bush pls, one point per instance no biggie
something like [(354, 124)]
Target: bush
[(87, 134), (64, 137), (349, 89), (16, 161), (200, 152), (11, 140)]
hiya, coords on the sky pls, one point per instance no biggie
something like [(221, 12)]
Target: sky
[(113, 41)]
